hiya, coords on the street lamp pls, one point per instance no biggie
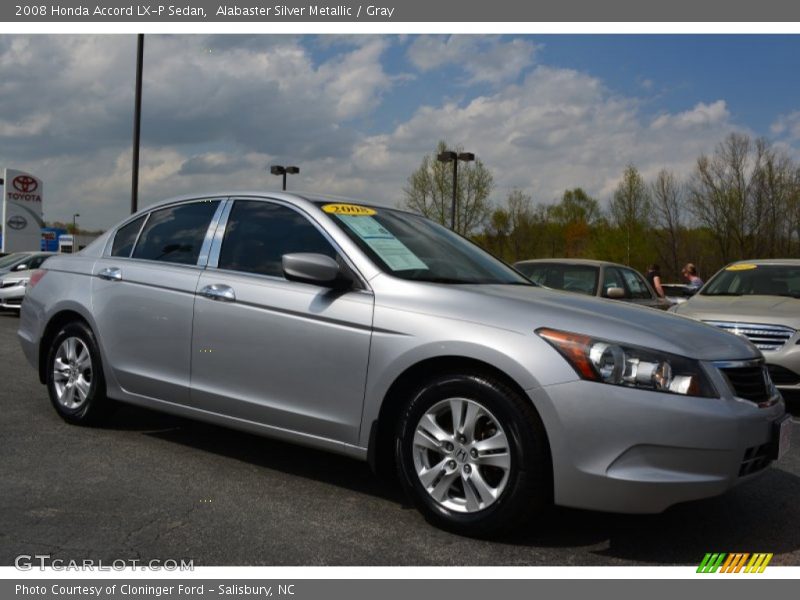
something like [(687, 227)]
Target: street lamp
[(454, 157), (74, 224), (281, 170)]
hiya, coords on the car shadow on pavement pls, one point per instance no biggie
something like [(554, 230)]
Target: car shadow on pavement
[(758, 516), (264, 452), (764, 509)]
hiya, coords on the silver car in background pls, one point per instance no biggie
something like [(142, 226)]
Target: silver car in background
[(760, 301), (594, 278), (380, 335)]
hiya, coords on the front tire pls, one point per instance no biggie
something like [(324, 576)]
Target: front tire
[(472, 454), (75, 380)]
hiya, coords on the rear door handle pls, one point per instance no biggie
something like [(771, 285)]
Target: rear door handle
[(219, 292), (110, 274)]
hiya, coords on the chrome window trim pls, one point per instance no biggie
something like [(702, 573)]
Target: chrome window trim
[(219, 234), (205, 248), (216, 247)]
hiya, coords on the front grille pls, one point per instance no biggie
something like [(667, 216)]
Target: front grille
[(13, 302), (767, 338), (783, 376), (755, 459), (749, 382)]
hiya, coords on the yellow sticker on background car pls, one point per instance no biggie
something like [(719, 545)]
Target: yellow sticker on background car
[(741, 267), (354, 210)]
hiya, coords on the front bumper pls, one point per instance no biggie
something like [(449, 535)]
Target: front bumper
[(11, 297), (618, 449)]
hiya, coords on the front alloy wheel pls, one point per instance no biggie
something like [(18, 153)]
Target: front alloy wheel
[(461, 455), (473, 455)]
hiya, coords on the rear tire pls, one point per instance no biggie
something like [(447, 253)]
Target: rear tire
[(74, 376), (472, 454)]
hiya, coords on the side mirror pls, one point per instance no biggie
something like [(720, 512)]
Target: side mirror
[(615, 292), (307, 267)]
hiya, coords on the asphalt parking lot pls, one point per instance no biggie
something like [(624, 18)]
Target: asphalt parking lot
[(150, 486)]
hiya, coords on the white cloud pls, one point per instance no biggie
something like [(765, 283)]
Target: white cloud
[(558, 129), (787, 126), (486, 59), (702, 115)]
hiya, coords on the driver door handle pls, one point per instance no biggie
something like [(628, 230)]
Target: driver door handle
[(219, 292), (110, 274)]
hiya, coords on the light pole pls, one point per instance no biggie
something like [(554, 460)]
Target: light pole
[(281, 170), (137, 123), (74, 223), (454, 157)]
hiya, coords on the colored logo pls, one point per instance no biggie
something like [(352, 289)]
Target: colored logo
[(738, 562), (25, 184), (17, 222)]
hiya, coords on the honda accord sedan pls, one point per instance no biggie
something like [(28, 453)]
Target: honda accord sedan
[(381, 335)]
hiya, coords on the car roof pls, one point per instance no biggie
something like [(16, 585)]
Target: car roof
[(571, 261), (793, 262), (292, 197)]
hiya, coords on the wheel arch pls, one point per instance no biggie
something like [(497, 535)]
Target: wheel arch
[(380, 453)]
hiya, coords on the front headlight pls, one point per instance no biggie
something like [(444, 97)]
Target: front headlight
[(630, 366)]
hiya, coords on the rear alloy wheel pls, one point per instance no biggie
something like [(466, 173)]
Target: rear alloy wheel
[(473, 455), (74, 376)]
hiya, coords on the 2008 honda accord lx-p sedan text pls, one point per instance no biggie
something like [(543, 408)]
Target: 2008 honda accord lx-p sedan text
[(381, 335)]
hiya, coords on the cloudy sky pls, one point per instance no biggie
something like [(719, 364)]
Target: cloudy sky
[(357, 113)]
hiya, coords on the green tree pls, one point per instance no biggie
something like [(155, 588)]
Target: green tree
[(429, 191)]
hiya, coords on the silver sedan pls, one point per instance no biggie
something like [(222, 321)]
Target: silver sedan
[(380, 335)]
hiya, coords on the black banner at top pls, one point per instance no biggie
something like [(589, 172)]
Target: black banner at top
[(193, 11)]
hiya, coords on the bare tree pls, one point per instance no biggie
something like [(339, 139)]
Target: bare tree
[(430, 191), (724, 194), (668, 201)]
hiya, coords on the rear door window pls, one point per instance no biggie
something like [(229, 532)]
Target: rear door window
[(126, 237), (176, 234)]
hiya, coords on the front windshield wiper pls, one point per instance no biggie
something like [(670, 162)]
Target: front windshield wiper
[(723, 294)]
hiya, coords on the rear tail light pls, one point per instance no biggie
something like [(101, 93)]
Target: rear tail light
[(36, 277)]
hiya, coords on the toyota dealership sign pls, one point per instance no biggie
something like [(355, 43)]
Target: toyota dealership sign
[(22, 212)]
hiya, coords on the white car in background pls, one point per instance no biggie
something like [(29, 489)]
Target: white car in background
[(14, 283)]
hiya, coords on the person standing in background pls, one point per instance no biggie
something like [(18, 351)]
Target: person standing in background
[(653, 275), (690, 273)]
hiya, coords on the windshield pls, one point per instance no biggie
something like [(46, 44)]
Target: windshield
[(752, 279), (12, 259), (412, 247), (572, 278)]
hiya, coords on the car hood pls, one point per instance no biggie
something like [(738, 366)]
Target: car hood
[(772, 310), (527, 308)]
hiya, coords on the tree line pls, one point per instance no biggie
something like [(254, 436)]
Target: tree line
[(742, 201)]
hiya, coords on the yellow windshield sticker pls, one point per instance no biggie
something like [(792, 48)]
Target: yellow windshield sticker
[(353, 210), (742, 267)]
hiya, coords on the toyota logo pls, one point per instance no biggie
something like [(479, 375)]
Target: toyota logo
[(17, 222), (25, 184)]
